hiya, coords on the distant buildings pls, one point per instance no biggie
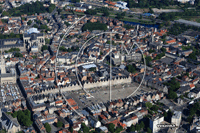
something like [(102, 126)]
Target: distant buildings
[(183, 1)]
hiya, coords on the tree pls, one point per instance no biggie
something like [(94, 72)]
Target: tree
[(193, 56), (85, 128), (148, 60), (130, 16), (14, 49), (189, 119), (47, 41), (149, 130), (192, 112), (51, 8), (29, 22), (132, 128), (48, 127), (137, 127), (24, 118), (75, 1), (117, 36), (172, 94), (66, 23), (181, 96), (94, 26), (44, 47), (123, 13), (148, 105), (111, 127), (59, 124), (142, 125), (173, 84), (165, 114), (106, 13), (151, 51), (154, 108), (4, 13), (35, 26), (151, 11), (14, 115), (118, 129), (163, 50), (28, 113), (26, 121), (128, 26), (18, 54), (140, 17), (91, 12), (131, 68), (71, 129), (119, 16)]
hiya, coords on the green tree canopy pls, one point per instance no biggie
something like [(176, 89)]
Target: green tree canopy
[(44, 47), (17, 54), (148, 105), (172, 94), (75, 1), (59, 124), (91, 12), (29, 22), (51, 8), (131, 68), (137, 127), (23, 117), (94, 26), (149, 130), (106, 13), (85, 128), (34, 7), (47, 127), (111, 127), (132, 128), (142, 125), (118, 129)]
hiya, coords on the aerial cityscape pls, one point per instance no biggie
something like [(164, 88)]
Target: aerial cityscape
[(94, 66)]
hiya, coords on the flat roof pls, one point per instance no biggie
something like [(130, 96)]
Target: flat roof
[(89, 66)]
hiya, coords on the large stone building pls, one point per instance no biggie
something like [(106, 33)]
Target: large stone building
[(7, 75), (176, 118), (34, 41), (6, 44), (9, 124), (154, 122)]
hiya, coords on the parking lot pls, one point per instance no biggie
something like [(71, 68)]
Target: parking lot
[(102, 94), (10, 92)]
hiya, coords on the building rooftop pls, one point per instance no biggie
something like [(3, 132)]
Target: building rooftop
[(177, 114)]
